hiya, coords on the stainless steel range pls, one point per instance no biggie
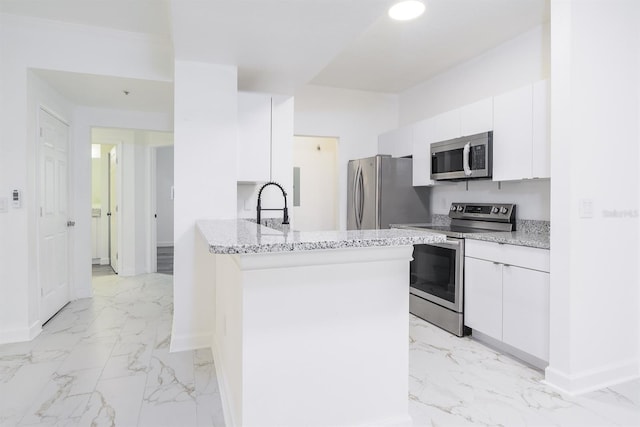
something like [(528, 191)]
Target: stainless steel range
[(437, 270)]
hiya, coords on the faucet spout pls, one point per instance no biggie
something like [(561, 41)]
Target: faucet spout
[(259, 208)]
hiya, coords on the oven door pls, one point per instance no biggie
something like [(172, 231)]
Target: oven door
[(436, 273)]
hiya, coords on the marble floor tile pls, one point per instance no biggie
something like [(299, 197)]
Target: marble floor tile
[(169, 405), (105, 361)]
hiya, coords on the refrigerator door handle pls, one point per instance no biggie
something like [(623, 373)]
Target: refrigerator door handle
[(361, 196), (355, 200)]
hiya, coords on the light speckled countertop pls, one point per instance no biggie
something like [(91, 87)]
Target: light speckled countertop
[(518, 238), (534, 238), (237, 236)]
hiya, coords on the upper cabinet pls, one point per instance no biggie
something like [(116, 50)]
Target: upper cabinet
[(520, 123), (423, 134), (446, 125), (265, 137), (254, 137), (541, 163), (521, 133), (477, 117), (396, 142)]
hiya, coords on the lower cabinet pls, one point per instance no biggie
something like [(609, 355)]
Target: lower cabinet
[(507, 295)]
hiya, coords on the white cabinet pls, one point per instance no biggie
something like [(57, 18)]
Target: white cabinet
[(421, 152), (483, 296), (521, 133), (477, 117), (525, 310), (265, 138), (507, 295), (541, 164), (254, 137), (446, 125), (396, 142)]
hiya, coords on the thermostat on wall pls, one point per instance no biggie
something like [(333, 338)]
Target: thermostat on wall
[(16, 199)]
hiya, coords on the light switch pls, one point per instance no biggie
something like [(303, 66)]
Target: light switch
[(4, 204), (586, 208)]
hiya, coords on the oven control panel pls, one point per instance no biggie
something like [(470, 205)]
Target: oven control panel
[(499, 212)]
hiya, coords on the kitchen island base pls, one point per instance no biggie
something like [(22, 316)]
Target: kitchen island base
[(313, 338)]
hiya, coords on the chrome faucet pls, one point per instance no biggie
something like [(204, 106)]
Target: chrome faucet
[(285, 219)]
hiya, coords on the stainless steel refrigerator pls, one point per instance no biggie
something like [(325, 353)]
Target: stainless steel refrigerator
[(381, 192)]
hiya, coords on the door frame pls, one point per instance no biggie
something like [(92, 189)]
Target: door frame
[(42, 108)]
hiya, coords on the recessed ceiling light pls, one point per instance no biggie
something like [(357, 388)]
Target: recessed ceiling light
[(406, 10)]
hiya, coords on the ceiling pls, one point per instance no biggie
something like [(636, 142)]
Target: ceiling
[(280, 45)]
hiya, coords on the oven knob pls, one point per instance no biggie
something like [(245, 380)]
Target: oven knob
[(494, 210), (453, 208), (503, 210), (460, 208)]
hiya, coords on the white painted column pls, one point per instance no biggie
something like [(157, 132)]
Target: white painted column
[(205, 185), (595, 87)]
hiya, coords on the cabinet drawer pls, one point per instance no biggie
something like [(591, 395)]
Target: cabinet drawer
[(522, 256)]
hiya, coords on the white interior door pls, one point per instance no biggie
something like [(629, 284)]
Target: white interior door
[(53, 262), (113, 209)]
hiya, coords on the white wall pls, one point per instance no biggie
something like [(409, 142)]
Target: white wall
[(317, 159), (594, 276), (356, 118), (164, 202), (530, 196), (513, 64), (516, 63), (31, 43)]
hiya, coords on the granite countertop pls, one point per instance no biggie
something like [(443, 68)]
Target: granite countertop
[(534, 237), (518, 238), (237, 236)]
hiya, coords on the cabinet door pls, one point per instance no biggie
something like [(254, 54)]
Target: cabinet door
[(526, 310), (476, 117), (446, 125), (512, 134), (396, 142), (483, 296), (421, 152), (254, 137), (540, 163)]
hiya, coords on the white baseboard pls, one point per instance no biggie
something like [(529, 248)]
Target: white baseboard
[(596, 379), (21, 335), (190, 342), (164, 244), (104, 261)]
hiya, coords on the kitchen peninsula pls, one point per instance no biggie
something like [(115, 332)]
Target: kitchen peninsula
[(311, 328)]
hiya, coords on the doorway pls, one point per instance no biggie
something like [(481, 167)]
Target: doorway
[(315, 188), (164, 192), (128, 164), (104, 201)]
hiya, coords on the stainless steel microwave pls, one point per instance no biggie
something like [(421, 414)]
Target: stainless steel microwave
[(469, 157)]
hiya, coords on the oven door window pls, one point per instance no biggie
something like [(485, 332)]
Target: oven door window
[(433, 271)]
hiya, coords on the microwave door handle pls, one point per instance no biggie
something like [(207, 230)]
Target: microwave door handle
[(465, 158)]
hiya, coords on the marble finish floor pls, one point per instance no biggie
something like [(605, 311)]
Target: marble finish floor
[(105, 362)]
